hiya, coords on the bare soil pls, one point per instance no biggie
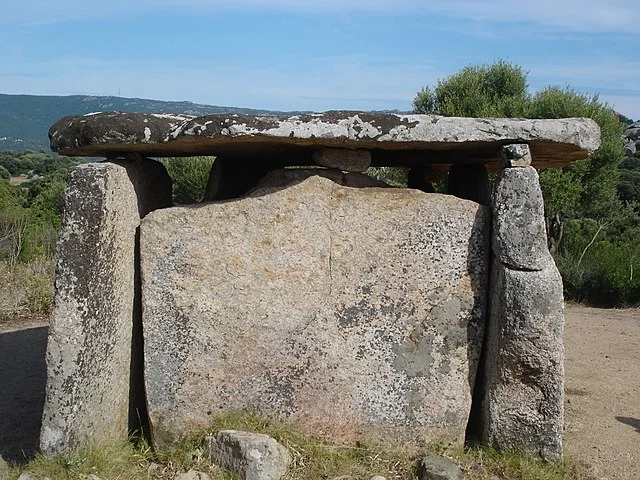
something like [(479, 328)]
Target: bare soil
[(602, 369)]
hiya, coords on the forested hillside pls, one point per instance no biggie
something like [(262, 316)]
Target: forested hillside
[(25, 119)]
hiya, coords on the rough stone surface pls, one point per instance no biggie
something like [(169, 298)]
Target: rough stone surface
[(90, 337), (519, 233), (27, 476), (436, 467), (392, 139), (252, 456), (516, 155), (342, 309), (192, 475), (343, 159), (281, 178), (524, 391)]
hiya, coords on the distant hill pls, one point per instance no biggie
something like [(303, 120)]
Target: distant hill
[(25, 119)]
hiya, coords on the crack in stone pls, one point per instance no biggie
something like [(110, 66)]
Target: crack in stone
[(331, 240)]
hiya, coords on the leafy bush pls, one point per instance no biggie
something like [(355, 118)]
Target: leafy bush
[(189, 176)]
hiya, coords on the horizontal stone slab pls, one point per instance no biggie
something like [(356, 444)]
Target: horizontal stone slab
[(392, 139)]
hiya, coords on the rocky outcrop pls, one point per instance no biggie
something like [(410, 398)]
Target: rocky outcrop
[(94, 304), (278, 140), (631, 139), (252, 456), (523, 397), (341, 309)]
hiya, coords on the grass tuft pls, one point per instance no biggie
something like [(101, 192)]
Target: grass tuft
[(313, 459)]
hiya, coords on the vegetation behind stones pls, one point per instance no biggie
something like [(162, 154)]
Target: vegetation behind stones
[(592, 206)]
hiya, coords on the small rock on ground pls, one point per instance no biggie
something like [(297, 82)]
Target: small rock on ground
[(192, 475), (253, 456), (437, 467)]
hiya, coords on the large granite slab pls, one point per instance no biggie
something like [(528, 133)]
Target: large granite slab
[(393, 139), (342, 309)]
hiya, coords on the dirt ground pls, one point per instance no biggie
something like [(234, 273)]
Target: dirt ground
[(602, 386), (602, 369)]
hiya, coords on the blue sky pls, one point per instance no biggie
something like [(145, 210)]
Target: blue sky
[(312, 55)]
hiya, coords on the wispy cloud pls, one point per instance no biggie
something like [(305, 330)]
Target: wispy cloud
[(575, 15), (367, 82)]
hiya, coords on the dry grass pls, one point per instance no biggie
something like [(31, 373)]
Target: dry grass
[(312, 459), (25, 287)]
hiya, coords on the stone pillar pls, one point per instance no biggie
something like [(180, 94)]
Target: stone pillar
[(233, 177), (523, 398), (470, 182), (95, 301)]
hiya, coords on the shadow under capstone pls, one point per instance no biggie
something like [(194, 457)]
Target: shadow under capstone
[(23, 377)]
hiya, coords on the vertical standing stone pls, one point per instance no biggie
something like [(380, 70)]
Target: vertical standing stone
[(233, 177), (523, 402), (90, 337)]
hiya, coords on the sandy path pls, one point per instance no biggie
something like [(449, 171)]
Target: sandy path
[(602, 368), (602, 384)]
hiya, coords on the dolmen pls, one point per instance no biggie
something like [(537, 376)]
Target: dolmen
[(303, 289)]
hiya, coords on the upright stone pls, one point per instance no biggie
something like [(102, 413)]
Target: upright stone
[(94, 305), (341, 309), (233, 177), (519, 232), (523, 398)]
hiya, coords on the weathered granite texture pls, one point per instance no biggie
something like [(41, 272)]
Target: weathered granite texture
[(252, 456), (519, 232), (392, 139), (343, 159), (436, 467), (90, 337), (342, 309), (524, 402), (523, 397)]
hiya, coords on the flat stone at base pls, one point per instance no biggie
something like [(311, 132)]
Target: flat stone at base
[(338, 308), (524, 391), (90, 337), (252, 456), (436, 467)]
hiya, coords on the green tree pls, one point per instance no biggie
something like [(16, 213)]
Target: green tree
[(497, 90), (584, 193), (189, 176)]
